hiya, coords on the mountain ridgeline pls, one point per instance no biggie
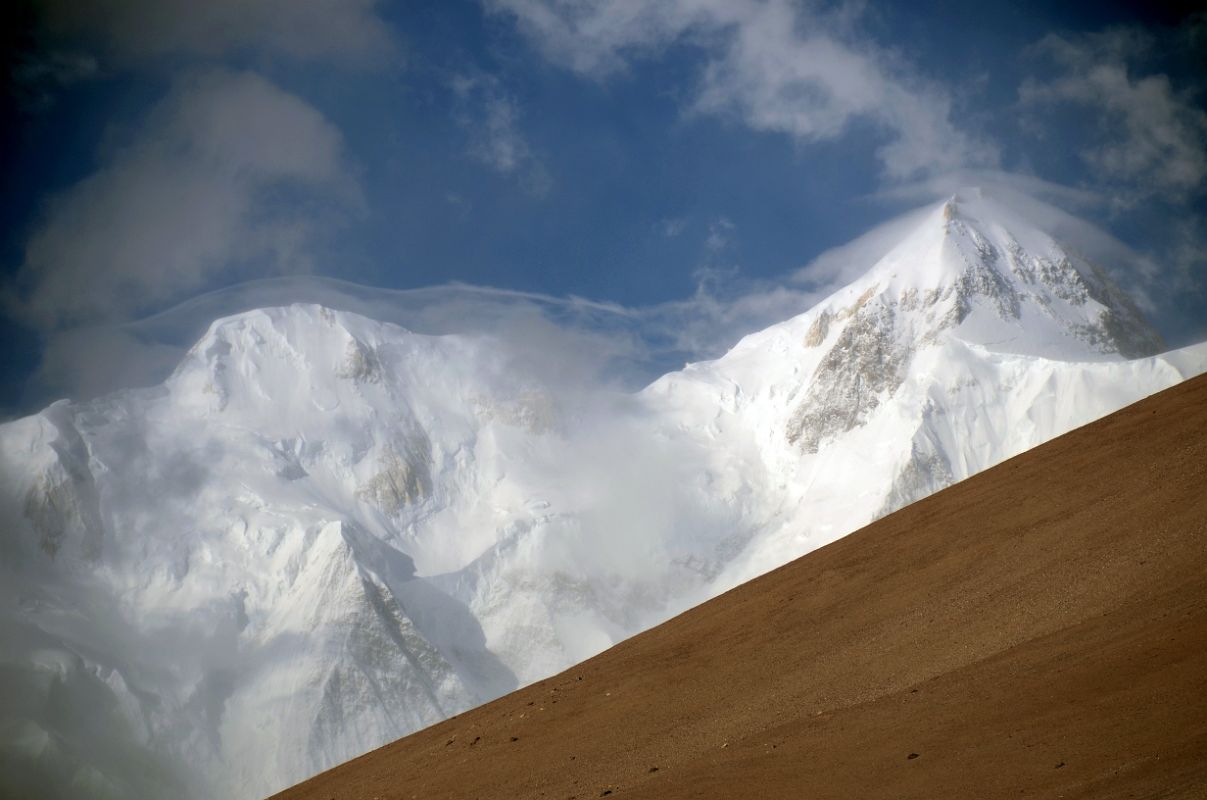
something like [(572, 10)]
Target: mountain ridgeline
[(323, 532)]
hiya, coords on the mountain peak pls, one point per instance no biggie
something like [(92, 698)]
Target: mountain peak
[(977, 269), (968, 274)]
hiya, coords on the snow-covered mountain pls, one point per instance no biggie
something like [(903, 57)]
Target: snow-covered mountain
[(323, 532), (975, 337)]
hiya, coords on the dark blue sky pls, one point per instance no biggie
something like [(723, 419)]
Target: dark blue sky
[(528, 145)]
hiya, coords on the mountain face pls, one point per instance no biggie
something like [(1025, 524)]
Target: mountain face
[(323, 532), (973, 339), (1047, 609)]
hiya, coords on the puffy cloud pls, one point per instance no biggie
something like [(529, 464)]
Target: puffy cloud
[(227, 173), (771, 66), (306, 30), (1145, 136)]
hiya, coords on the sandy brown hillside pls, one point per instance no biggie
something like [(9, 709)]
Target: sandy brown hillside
[(1037, 631)]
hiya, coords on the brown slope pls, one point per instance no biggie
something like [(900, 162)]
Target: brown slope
[(1039, 630)]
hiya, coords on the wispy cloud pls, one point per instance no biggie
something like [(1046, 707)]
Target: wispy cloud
[(720, 234), (229, 172), (770, 65), (672, 227), (566, 336), (1142, 135), (490, 117)]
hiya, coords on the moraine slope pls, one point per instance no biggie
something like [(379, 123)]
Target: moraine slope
[(1037, 630)]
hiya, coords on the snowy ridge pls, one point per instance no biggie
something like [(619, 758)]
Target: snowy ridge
[(973, 339), (323, 532)]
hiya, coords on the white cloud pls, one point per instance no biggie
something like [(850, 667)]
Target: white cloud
[(725, 307), (720, 234), (771, 66), (491, 118), (568, 338), (1015, 185), (306, 30), (228, 173), (1146, 136), (672, 227)]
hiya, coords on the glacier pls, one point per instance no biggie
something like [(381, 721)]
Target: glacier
[(324, 531)]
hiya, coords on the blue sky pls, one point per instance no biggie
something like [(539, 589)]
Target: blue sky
[(633, 153)]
